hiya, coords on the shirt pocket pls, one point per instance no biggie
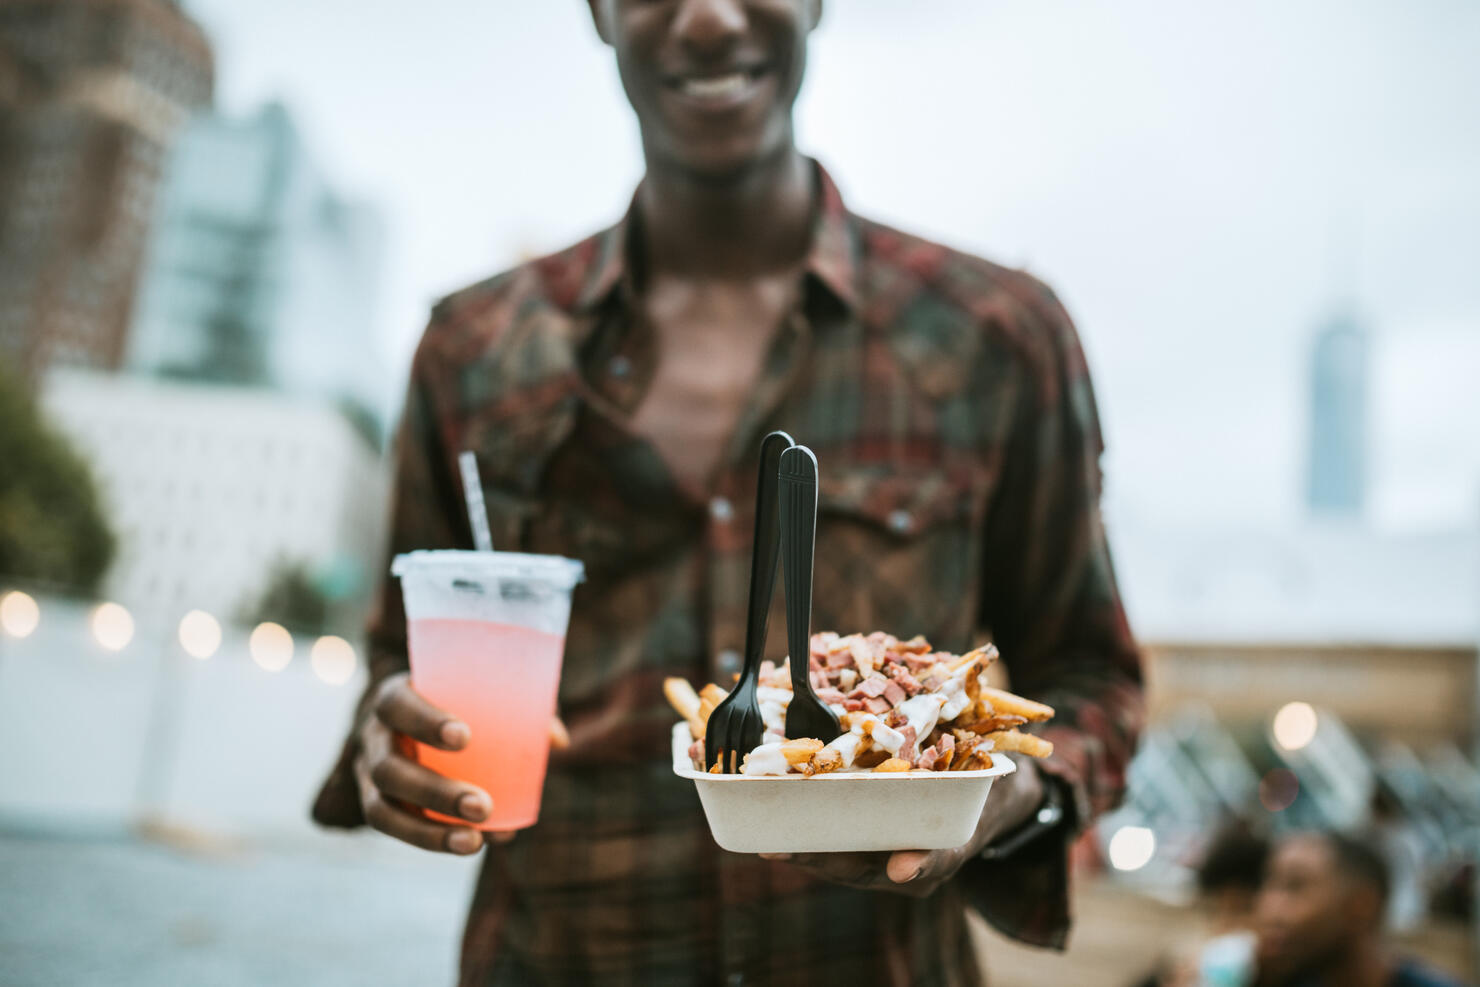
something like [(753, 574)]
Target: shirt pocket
[(898, 551)]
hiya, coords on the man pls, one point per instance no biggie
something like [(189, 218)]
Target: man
[(1320, 917), (616, 394)]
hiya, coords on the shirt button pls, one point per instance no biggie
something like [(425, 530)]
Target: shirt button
[(721, 510), (901, 522), (619, 367), (728, 661)]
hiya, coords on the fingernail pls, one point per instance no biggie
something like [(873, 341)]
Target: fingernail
[(464, 841), (474, 807), (454, 734)]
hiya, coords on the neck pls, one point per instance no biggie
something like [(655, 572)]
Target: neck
[(1365, 964), (757, 223)]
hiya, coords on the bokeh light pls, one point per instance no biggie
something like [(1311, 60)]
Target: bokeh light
[(333, 659), (19, 614), (271, 646), (1132, 848), (1295, 726), (200, 634), (1278, 790), (113, 626)]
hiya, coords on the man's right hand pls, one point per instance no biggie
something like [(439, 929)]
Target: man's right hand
[(393, 787)]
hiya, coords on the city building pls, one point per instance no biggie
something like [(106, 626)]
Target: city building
[(1380, 628), (213, 490), (1338, 422), (259, 273), (92, 93)]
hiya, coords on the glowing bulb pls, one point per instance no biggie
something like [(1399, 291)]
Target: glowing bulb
[(113, 626), (1295, 726), (1132, 848), (19, 614), (200, 634), (271, 646), (333, 659)]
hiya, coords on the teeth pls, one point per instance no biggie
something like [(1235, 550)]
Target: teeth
[(717, 88)]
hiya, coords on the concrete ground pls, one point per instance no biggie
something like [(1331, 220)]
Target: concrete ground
[(127, 911), (177, 907)]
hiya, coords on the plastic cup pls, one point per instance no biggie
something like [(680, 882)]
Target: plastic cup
[(486, 633)]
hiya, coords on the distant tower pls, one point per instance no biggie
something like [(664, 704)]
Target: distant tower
[(91, 95), (1338, 432)]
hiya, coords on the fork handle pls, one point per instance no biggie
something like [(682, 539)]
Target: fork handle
[(798, 495), (766, 548)]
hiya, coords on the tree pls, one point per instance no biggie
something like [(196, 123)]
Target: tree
[(295, 599), (52, 526)]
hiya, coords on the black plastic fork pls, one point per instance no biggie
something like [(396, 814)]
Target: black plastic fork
[(806, 715), (735, 727)]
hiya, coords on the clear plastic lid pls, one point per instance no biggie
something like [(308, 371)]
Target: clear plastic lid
[(555, 571)]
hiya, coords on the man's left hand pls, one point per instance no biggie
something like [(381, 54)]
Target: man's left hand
[(918, 873)]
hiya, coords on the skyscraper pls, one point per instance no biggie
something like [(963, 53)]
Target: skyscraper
[(259, 272), (1338, 431), (91, 94)]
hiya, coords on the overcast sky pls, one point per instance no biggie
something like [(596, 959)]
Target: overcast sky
[(1202, 183)]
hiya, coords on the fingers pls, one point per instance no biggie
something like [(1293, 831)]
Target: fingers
[(408, 826), (402, 708), (406, 781), (910, 872), (559, 736), (856, 870)]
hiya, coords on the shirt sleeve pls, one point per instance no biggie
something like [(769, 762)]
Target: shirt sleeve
[(1051, 602), (426, 513)]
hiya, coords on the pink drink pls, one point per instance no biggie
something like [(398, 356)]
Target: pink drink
[(501, 680), (486, 632)]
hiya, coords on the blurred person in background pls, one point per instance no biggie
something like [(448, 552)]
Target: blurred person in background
[(1319, 918), (616, 394), (1227, 883)]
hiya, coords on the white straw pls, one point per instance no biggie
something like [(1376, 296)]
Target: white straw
[(473, 492)]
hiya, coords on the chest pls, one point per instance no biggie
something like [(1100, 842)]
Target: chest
[(712, 342)]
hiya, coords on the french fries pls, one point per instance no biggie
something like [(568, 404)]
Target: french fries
[(1006, 702), (1010, 741), (800, 751), (876, 682), (824, 761), (682, 697)]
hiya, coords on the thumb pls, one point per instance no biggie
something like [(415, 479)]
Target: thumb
[(906, 865)]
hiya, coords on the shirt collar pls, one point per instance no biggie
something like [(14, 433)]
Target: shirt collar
[(832, 258)]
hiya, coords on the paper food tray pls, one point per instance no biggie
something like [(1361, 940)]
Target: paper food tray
[(916, 810)]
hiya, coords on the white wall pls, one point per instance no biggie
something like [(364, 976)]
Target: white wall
[(227, 746), (209, 488)]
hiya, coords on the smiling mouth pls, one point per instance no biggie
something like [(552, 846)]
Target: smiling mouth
[(718, 89)]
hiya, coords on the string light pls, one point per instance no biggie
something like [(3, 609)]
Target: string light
[(271, 646), (200, 634), (1132, 848), (333, 659), (19, 614), (112, 626)]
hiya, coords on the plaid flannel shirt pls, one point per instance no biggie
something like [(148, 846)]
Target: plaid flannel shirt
[(950, 408)]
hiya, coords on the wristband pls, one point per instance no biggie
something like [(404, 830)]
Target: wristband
[(1049, 815)]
